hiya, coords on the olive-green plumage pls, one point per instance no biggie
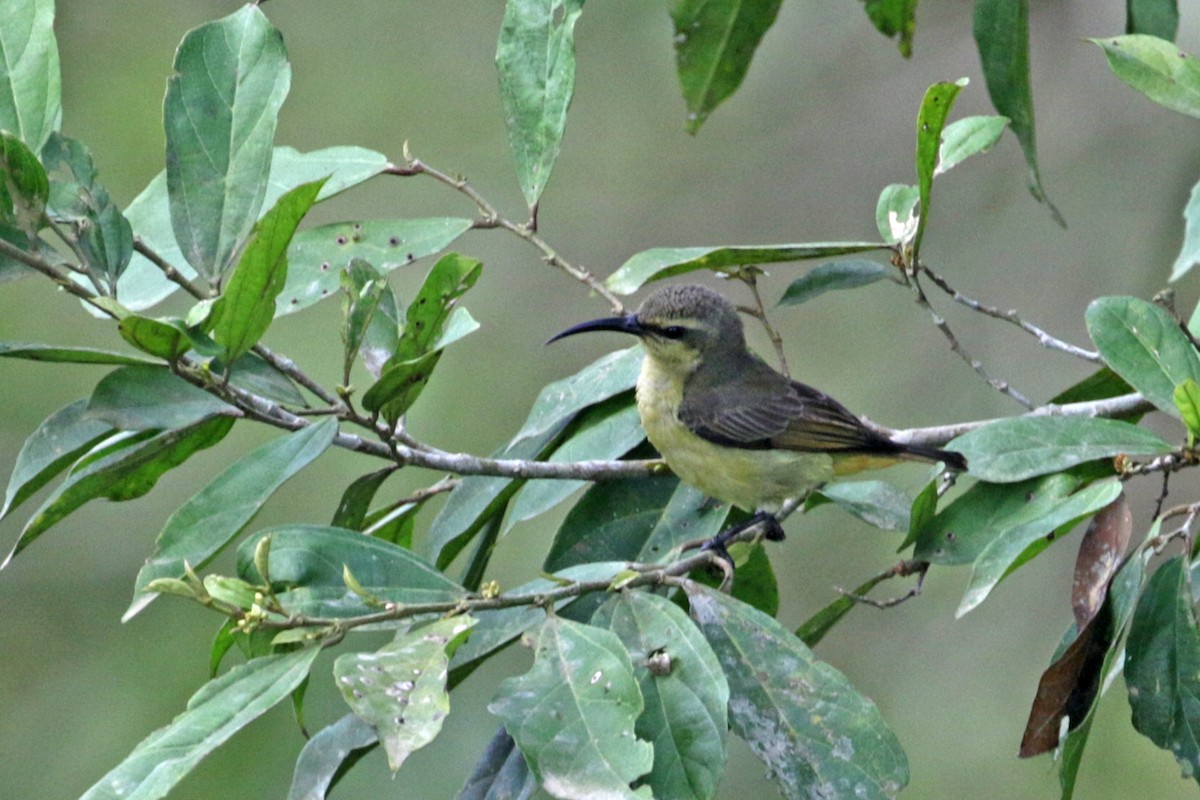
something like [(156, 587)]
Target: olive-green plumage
[(728, 423)]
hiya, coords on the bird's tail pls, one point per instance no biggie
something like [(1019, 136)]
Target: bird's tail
[(953, 460)]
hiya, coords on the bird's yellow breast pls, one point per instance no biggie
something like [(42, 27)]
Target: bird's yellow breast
[(750, 479)]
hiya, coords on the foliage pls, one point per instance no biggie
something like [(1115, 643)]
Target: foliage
[(640, 670)]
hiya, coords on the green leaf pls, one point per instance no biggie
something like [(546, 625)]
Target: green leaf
[(55, 444), (419, 346), (535, 57), (986, 512), (55, 354), (309, 561), (613, 521), (931, 119), (1187, 400), (1144, 345), (897, 213), (1157, 69), (1002, 35), (164, 338), (606, 432), (714, 43), (211, 518), (342, 167), (688, 515), (30, 84), (77, 200), (144, 397), (605, 377), (1189, 252), (401, 689), (847, 274), (247, 305), (813, 630), (231, 77), (1022, 542), (332, 750), (814, 731), (220, 709), (1153, 17), (877, 503), (966, 137), (126, 474), (383, 333), (684, 690), (894, 18), (921, 514), (500, 773), (25, 188), (499, 627), (319, 255), (573, 714), (666, 262), (1162, 668), (363, 289), (254, 374), (356, 500), (1023, 447)]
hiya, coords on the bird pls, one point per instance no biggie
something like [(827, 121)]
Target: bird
[(731, 425)]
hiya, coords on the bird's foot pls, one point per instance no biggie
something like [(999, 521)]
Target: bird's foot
[(717, 545)]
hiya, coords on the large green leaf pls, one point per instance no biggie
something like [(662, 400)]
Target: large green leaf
[(1144, 345), (535, 57), (57, 442), (666, 262), (220, 709), (309, 562), (877, 503), (1157, 69), (986, 512), (401, 688), (143, 397), (143, 284), (966, 137), (1001, 31), (1021, 542), (125, 474), (247, 305), (319, 255), (714, 43), (30, 84), (327, 754), (815, 732), (1162, 668), (68, 355), (684, 690), (608, 375), (606, 432), (230, 79), (1014, 449), (895, 18), (573, 714), (931, 120), (211, 518)]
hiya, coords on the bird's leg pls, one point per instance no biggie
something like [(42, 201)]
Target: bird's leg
[(772, 531)]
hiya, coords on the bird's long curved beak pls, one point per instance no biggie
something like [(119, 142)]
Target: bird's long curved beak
[(625, 324)]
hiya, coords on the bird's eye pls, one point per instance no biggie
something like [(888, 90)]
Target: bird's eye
[(674, 331)]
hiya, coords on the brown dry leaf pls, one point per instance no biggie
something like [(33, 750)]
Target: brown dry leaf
[(1098, 559)]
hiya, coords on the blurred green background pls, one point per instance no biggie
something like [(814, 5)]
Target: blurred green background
[(824, 120)]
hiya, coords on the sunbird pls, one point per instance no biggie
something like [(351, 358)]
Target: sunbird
[(731, 425)]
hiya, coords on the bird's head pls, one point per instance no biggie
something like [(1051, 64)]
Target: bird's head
[(680, 326)]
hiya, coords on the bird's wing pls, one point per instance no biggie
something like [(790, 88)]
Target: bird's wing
[(787, 415)]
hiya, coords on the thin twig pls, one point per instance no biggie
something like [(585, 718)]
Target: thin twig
[(1044, 338), (60, 278), (901, 570), (1001, 386), (491, 218), (759, 312), (169, 271)]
